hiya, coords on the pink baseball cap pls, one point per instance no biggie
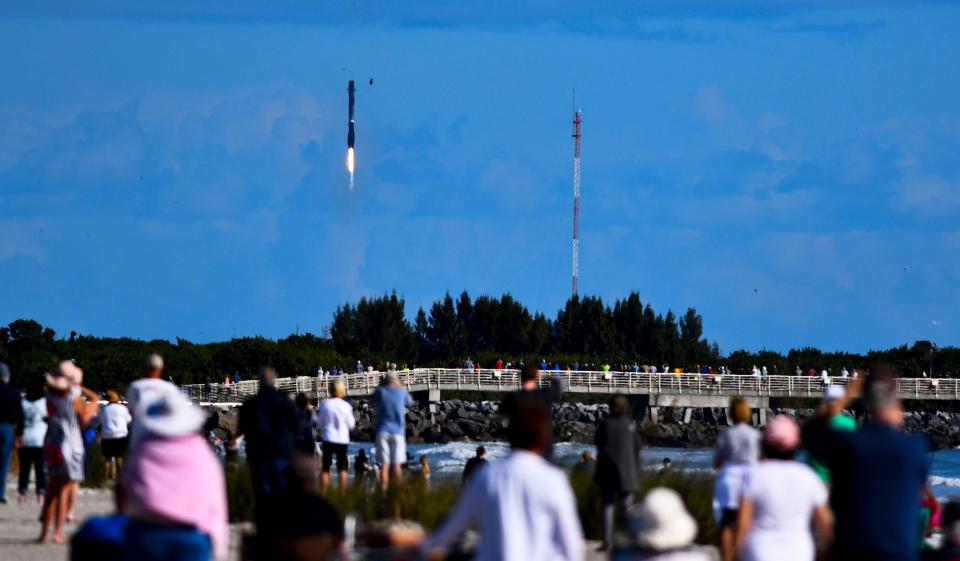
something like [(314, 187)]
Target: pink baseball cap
[(782, 432)]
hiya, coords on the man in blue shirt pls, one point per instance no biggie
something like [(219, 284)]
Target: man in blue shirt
[(878, 473), (391, 401)]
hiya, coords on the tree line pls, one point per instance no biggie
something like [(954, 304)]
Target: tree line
[(376, 330)]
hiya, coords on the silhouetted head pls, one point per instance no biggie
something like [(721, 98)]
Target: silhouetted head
[(337, 389), (481, 451), (301, 401), (36, 388), (619, 406), (529, 372), (267, 376), (739, 410), (951, 523), (880, 396), (529, 426)]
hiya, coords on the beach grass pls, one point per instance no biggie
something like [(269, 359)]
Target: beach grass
[(428, 503)]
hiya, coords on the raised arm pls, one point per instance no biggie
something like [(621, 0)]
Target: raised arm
[(86, 411)]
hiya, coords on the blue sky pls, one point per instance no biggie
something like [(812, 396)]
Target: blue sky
[(172, 169)]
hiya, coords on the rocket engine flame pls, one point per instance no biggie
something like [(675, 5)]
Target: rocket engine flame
[(351, 165)]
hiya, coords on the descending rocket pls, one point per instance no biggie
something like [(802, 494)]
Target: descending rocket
[(351, 91)]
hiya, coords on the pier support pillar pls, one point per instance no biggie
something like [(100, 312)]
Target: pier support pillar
[(761, 417), (429, 399), (687, 415), (655, 414)]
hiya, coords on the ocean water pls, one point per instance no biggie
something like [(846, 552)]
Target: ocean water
[(449, 459)]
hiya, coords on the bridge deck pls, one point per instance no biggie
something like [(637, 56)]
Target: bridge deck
[(489, 380)]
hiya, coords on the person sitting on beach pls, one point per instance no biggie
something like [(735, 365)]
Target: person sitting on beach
[(173, 487), (475, 463), (660, 529), (335, 419), (523, 507), (738, 449), (115, 421), (667, 466), (949, 549), (100, 538), (424, 472), (298, 524), (148, 388), (782, 500)]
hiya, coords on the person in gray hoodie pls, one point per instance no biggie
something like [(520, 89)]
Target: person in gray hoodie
[(618, 463)]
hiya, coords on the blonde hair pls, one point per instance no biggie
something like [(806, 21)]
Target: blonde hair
[(113, 396), (739, 410), (337, 389)]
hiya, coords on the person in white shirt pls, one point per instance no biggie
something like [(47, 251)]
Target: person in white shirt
[(522, 506), (335, 419), (148, 389), (115, 420), (782, 501), (30, 452)]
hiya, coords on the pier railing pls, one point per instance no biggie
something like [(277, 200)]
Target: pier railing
[(493, 380)]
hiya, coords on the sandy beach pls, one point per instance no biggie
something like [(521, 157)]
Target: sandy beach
[(19, 528)]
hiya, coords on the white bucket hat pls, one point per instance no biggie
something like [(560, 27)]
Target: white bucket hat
[(67, 374), (170, 415), (660, 522)]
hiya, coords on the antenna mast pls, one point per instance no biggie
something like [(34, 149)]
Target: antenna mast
[(576, 198)]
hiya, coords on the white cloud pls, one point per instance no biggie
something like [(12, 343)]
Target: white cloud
[(930, 194)]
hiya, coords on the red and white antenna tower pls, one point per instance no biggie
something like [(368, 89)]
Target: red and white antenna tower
[(576, 198)]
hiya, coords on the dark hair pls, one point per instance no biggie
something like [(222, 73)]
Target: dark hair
[(951, 517), (36, 388), (481, 451), (528, 425), (773, 452), (619, 406), (301, 401), (880, 388), (529, 372), (739, 410)]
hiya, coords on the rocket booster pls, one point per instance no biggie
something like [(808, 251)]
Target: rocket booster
[(351, 90)]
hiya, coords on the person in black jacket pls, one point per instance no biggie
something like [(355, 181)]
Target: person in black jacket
[(268, 421), (531, 389), (618, 463), (474, 463), (11, 425)]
